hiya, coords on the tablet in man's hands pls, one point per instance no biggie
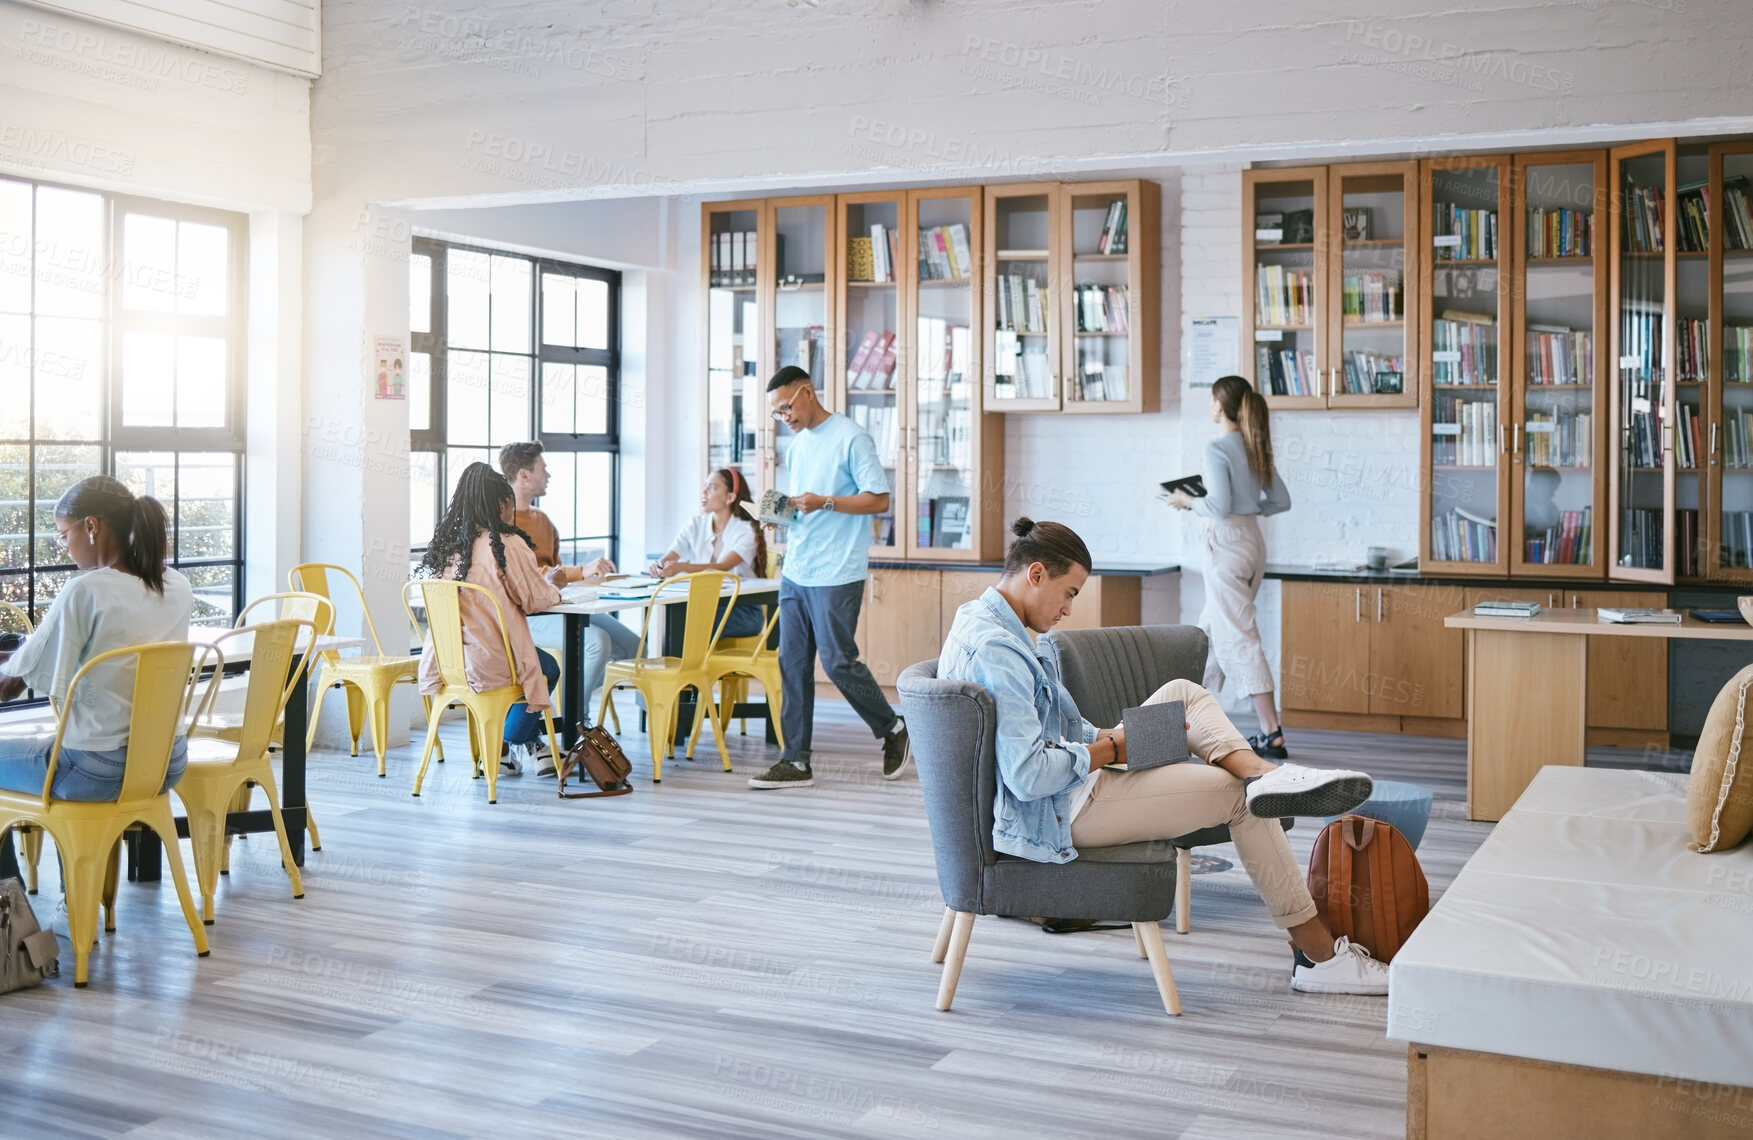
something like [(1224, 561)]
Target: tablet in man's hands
[(1156, 735)]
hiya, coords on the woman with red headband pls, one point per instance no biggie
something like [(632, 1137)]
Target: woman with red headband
[(723, 536)]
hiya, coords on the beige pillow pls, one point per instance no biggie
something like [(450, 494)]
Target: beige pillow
[(1719, 798)]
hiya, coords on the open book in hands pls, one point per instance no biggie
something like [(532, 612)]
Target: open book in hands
[(1155, 735), (776, 509)]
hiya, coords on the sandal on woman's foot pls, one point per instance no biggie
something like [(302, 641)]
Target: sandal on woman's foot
[(1270, 745)]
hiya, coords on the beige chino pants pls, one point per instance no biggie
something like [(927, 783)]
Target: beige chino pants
[(1162, 803), (1235, 563)]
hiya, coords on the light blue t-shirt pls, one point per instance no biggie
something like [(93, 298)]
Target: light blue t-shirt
[(836, 458)]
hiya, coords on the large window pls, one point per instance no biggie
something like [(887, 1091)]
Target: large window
[(121, 352), (508, 348)]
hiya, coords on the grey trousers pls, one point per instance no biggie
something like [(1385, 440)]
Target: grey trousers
[(823, 619)]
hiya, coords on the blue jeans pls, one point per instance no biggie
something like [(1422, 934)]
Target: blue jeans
[(522, 725), (88, 777), (746, 620)]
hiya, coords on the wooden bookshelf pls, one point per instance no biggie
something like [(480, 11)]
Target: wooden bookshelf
[(1104, 370), (1728, 401), (733, 330), (1285, 192), (1465, 364), (1021, 220), (1371, 363)]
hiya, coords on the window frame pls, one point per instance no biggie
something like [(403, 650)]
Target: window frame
[(115, 437), (434, 438)]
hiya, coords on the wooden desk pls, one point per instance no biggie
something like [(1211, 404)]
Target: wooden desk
[(1527, 694)]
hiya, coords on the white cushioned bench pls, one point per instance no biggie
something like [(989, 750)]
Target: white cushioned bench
[(1584, 934)]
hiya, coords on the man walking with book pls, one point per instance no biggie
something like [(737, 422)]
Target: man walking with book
[(836, 483)]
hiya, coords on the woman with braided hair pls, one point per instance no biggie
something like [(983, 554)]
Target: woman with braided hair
[(476, 542)]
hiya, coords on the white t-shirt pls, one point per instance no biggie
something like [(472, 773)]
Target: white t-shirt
[(697, 544), (97, 611)]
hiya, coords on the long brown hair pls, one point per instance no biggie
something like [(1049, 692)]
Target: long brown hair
[(1247, 409), (740, 494), (139, 523)]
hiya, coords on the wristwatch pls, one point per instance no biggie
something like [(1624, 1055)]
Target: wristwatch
[(828, 505)]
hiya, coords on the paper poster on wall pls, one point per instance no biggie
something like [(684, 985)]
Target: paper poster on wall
[(1210, 348), (389, 368)]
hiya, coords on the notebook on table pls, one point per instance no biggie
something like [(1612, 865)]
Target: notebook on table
[(1155, 735)]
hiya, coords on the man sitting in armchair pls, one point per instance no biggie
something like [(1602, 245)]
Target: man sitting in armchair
[(1055, 794)]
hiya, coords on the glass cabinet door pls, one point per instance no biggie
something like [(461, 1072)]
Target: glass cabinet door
[(1373, 223), (1643, 484), (1693, 361), (1561, 307), (1730, 455), (1022, 354), (872, 353), (736, 381), (1466, 414), (1284, 328), (947, 453), (798, 276), (1103, 230)]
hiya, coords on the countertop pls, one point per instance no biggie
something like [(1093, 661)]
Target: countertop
[(1289, 572), (1103, 569)]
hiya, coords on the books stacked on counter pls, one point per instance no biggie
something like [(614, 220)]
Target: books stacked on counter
[(1506, 609), (1636, 616)]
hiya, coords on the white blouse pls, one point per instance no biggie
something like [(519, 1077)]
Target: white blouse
[(696, 543)]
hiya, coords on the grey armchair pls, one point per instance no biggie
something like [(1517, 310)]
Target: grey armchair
[(1110, 670), (951, 727)]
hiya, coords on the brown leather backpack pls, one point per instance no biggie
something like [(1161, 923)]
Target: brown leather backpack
[(1367, 884), (599, 755)]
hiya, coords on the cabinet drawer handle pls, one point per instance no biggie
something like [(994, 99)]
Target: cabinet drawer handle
[(1713, 441), (1516, 447), (1359, 614), (1378, 605)]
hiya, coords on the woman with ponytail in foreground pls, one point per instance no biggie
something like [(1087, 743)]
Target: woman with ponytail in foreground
[(123, 595), (1241, 485)]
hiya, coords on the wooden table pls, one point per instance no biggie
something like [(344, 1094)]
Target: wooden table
[(144, 852), (1527, 693), (577, 617)]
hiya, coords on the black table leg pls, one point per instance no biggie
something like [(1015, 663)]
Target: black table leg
[(292, 763), (572, 694)]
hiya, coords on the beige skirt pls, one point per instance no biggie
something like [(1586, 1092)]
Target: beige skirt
[(1235, 562)]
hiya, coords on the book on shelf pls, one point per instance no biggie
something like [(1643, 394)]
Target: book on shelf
[(1355, 223), (1560, 356), (1464, 348), (1570, 543), (1373, 296), (1370, 373), (1692, 349), (1458, 535), (1737, 453), (1463, 234), (733, 259), (860, 259), (943, 253), (1506, 609), (1736, 548), (1738, 354), (1036, 381), (861, 357), (1643, 209), (1737, 217), (882, 422), (1464, 432), (1101, 308), (1687, 436), (1560, 232), (1692, 216), (1640, 537), (1022, 304), (1633, 615), (1284, 372), (1284, 295), (1560, 438), (1113, 237)]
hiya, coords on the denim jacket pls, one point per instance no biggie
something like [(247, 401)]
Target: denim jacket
[(1043, 753)]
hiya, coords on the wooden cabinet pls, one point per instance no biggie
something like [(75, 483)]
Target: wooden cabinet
[(903, 621), (1071, 315), (960, 587), (1325, 648), (1416, 664), (738, 428), (1628, 676)]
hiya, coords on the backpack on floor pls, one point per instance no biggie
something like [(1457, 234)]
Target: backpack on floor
[(1367, 884), (28, 953)]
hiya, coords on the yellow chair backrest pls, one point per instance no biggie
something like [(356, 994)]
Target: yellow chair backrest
[(313, 577), (294, 605), (17, 614), (272, 676), (443, 598), (165, 680), (703, 623)]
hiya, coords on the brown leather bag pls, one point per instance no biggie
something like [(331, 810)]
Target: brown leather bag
[(600, 757), (1367, 884)]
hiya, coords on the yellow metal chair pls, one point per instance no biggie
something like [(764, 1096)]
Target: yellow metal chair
[(89, 834), (486, 710), (660, 680), (368, 680), (732, 662), (222, 771)]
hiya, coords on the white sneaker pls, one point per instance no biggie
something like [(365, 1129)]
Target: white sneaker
[(508, 763), (541, 756), (1291, 789), (1351, 970)]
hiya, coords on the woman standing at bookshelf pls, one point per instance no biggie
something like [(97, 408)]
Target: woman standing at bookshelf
[(1241, 485)]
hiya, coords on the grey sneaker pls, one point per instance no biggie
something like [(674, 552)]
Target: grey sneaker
[(896, 752), (784, 775)]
